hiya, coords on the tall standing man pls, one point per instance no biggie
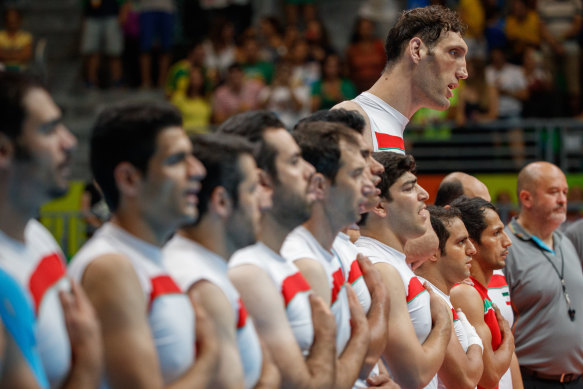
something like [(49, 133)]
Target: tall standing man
[(426, 58), (546, 282)]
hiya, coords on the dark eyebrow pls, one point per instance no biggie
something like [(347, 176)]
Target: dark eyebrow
[(175, 158), (46, 127)]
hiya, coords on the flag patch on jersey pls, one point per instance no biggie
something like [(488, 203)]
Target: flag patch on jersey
[(162, 285), (415, 289), (355, 272), (389, 142), (337, 283), (293, 285), (48, 272)]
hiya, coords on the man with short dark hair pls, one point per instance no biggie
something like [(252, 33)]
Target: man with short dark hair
[(450, 264), (198, 254), (486, 232), (35, 166), (546, 282), (425, 61), (419, 324), (142, 160), (334, 150), (296, 326)]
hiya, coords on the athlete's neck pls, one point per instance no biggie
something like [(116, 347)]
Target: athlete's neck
[(273, 233), (12, 223), (140, 227), (322, 225), (431, 274), (16, 210), (481, 273), (395, 91), (376, 228), (210, 233)]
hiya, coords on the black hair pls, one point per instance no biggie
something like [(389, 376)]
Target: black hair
[(127, 132), (473, 214), (441, 218), (13, 89), (351, 119), (448, 192), (395, 166)]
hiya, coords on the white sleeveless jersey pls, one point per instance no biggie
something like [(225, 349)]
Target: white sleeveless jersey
[(499, 293), (289, 282), (417, 297), (170, 313), (39, 266), (347, 252), (188, 262), (387, 125), (300, 243)]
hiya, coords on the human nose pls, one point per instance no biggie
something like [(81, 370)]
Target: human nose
[(196, 169), (68, 140), (506, 240), (470, 248), (309, 169), (423, 195), (462, 72)]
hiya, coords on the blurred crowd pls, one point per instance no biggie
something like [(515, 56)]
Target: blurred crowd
[(523, 60)]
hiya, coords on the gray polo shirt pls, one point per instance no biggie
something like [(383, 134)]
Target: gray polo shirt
[(575, 233), (546, 339)]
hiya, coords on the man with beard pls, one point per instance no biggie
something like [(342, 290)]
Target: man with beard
[(197, 256), (426, 58), (420, 326), (546, 282), (335, 152), (487, 234), (296, 327), (35, 166)]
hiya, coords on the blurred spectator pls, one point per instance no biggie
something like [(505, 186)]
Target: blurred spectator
[(156, 20), (102, 34), (15, 44), (478, 100), (220, 50), (288, 100), (318, 40), (510, 83), (193, 102), (542, 97), (236, 95), (253, 65), (495, 25), (522, 28), (365, 55), (473, 14), (305, 70), (271, 38), (560, 26), (292, 10), (179, 73), (333, 87)]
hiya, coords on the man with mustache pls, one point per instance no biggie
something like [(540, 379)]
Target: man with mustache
[(35, 167), (420, 326), (486, 232), (546, 282)]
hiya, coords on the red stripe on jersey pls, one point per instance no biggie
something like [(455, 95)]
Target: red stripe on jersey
[(386, 141), (337, 282), (497, 281), (162, 285), (242, 315), (415, 289), (293, 285), (50, 269), (455, 316), (355, 272)]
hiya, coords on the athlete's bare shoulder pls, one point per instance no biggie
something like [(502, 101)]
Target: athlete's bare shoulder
[(351, 105)]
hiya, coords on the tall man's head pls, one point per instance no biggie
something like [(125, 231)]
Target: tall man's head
[(335, 151), (35, 146), (285, 176), (542, 193), (430, 39), (452, 260), (230, 189), (486, 232), (402, 206), (142, 159), (458, 183)]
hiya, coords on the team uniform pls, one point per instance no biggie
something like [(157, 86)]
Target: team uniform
[(347, 252), (417, 297), (387, 125), (489, 318), (300, 243), (289, 282), (499, 293), (170, 313), (188, 263), (18, 319), (39, 267)]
